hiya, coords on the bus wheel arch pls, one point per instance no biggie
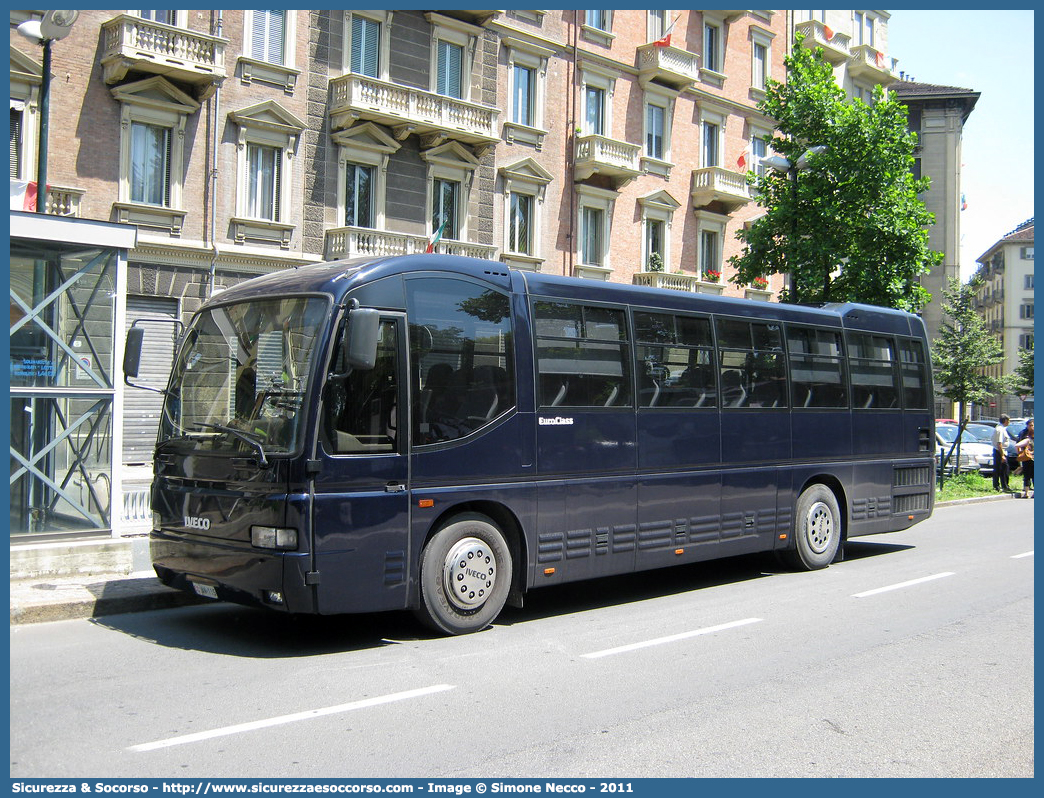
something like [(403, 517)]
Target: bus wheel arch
[(467, 570), (819, 528)]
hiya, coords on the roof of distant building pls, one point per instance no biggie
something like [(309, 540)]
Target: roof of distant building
[(909, 91), (1023, 234)]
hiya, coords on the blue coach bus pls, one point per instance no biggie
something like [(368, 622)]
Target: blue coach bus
[(444, 434)]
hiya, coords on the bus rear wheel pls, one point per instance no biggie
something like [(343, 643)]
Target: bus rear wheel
[(465, 576), (817, 529)]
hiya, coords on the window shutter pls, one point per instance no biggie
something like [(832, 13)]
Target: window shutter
[(16, 144), (257, 34), (366, 42), (277, 182), (276, 33), (450, 62), (167, 144)]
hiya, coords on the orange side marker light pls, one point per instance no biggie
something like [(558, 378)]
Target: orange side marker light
[(548, 571), (426, 503)]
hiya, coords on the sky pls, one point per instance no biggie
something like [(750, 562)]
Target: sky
[(990, 52)]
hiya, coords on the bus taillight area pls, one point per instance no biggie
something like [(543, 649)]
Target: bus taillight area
[(233, 573)]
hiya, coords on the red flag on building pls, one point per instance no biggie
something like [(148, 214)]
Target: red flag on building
[(23, 196), (880, 59), (435, 238), (665, 40), (828, 32)]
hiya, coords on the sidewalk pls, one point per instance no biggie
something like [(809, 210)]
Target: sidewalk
[(58, 598)]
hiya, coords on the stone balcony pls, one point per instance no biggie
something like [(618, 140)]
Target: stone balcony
[(356, 242), (869, 63), (716, 184), (617, 160), (407, 110), (130, 43), (677, 282), (670, 65), (835, 47)]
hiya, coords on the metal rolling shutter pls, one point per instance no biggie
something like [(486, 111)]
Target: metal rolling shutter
[(141, 409)]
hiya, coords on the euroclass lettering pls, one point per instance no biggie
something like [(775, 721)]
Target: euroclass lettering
[(557, 421)]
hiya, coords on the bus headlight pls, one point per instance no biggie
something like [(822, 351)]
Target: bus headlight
[(271, 537)]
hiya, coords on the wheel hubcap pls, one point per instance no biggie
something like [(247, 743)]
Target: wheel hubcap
[(470, 573), (819, 527)]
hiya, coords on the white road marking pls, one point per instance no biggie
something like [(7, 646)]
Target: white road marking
[(901, 585), (669, 639), (307, 715), (1024, 554)]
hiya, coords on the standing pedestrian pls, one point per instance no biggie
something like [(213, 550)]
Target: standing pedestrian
[(1024, 446), (1001, 441)]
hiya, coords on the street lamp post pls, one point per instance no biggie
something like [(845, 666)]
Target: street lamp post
[(54, 25), (781, 164)]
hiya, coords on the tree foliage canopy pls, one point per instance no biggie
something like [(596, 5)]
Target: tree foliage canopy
[(964, 349), (850, 226)]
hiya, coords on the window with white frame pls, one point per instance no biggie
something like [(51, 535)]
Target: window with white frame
[(710, 236), (657, 214), (452, 51), (523, 95), (266, 144), (17, 124), (597, 19), (759, 150), (864, 28), (153, 117), (520, 222), (656, 24), (150, 163), (595, 207), (597, 101), (713, 42), (360, 180), (263, 181), (527, 69), (366, 45), (524, 184), (451, 169), (655, 130), (818, 16), (165, 17), (363, 153), (761, 58), (445, 208), (268, 36), (711, 142), (269, 49)]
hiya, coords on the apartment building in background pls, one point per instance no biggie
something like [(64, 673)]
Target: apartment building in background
[(1004, 299), (600, 144)]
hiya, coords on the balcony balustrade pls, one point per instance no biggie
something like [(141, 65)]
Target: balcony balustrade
[(715, 184), (354, 242), (835, 47), (408, 110), (130, 43), (677, 282), (670, 65), (614, 159), (869, 63)]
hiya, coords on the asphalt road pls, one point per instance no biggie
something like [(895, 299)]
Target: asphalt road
[(912, 658)]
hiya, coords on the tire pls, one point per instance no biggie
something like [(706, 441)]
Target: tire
[(817, 530), (458, 598)]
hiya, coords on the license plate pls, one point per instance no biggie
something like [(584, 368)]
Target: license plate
[(208, 591)]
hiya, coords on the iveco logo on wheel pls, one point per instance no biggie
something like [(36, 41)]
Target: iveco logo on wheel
[(194, 522)]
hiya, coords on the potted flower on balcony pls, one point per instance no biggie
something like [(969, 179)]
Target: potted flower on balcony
[(712, 276), (655, 263), (760, 283)]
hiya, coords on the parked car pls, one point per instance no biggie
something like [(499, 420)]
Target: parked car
[(975, 455)]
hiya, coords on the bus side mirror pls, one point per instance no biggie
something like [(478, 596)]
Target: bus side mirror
[(132, 352), (363, 332)]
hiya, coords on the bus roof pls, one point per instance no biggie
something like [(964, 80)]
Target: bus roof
[(336, 278)]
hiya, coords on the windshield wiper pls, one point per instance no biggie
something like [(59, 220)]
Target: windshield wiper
[(251, 440)]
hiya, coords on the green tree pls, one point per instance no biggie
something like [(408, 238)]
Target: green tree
[(1024, 372), (850, 226), (964, 350)]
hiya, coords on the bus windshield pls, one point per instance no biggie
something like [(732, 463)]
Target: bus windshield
[(242, 375)]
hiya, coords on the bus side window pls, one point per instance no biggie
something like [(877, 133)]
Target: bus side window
[(874, 371), (359, 412), (462, 352), (583, 355)]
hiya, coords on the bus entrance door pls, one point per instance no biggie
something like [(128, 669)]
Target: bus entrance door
[(361, 511)]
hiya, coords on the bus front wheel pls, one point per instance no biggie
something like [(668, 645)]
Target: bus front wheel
[(817, 529), (465, 576)]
